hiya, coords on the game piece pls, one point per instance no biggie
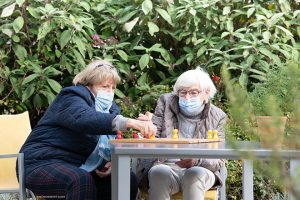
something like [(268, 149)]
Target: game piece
[(134, 134), (152, 137), (119, 135), (209, 134), (215, 132), (175, 134)]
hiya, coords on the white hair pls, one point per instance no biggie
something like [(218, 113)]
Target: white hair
[(194, 77)]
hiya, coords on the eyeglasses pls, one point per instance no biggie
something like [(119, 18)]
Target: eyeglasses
[(101, 65), (192, 93)]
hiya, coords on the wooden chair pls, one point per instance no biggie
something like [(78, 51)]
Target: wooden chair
[(14, 130), (212, 194)]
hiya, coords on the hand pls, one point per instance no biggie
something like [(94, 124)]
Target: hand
[(186, 163), (105, 171), (146, 128), (145, 117)]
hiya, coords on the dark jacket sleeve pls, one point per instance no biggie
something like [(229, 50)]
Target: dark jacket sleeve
[(74, 109)]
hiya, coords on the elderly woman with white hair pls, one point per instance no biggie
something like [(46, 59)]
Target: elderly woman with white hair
[(189, 110)]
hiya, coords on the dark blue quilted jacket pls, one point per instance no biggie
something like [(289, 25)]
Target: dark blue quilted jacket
[(68, 131)]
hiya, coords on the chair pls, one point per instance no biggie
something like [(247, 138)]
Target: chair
[(212, 194), (13, 132)]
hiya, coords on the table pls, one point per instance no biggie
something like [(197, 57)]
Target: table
[(241, 150)]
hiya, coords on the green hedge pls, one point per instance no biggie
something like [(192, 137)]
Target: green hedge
[(45, 43)]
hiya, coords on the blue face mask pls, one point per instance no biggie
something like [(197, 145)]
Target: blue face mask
[(103, 101), (191, 107)]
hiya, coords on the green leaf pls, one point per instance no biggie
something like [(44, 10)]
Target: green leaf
[(180, 60), (142, 80), (119, 93), (127, 17), (250, 12), (164, 15), (8, 11), (44, 29), (129, 25), (139, 48), (37, 101), (80, 45), (270, 55), (79, 58), (189, 58), (64, 38), (201, 51), (29, 78), (20, 2), (144, 60), (161, 75), (28, 92), (7, 31), (286, 31), (33, 12), (123, 55), (51, 71), (193, 11), (100, 7), (162, 62), (275, 18), (224, 34), (226, 10), (15, 38), (58, 53), (243, 80), (18, 24), (229, 26), (50, 97), (153, 28), (266, 35), (156, 47), (20, 51), (54, 85), (85, 5), (147, 6)]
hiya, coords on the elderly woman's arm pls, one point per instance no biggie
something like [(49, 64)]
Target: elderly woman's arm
[(211, 164)]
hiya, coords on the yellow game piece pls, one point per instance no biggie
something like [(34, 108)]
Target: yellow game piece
[(175, 134), (152, 137), (215, 132), (209, 134)]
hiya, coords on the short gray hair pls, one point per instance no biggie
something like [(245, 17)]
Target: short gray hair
[(195, 77), (96, 72)]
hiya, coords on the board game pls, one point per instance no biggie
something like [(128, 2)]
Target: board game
[(165, 140)]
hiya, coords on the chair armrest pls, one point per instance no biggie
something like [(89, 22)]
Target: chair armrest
[(9, 155)]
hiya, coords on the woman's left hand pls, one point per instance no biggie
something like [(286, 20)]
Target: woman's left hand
[(105, 171), (186, 163)]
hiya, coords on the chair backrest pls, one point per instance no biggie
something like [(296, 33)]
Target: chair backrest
[(14, 130)]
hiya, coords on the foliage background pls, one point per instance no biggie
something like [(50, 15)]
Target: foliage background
[(151, 42)]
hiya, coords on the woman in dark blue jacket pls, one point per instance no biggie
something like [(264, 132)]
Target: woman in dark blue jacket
[(68, 132)]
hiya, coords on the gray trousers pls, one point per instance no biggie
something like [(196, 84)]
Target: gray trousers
[(165, 180)]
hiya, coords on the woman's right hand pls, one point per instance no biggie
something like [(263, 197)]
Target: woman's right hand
[(146, 128)]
